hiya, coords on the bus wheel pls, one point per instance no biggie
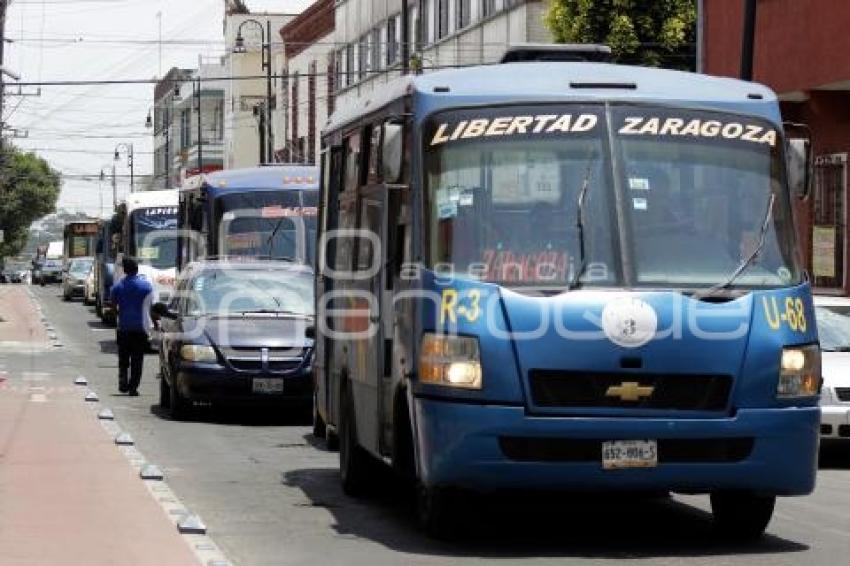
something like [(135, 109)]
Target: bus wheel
[(740, 515), (435, 512), (353, 460), (319, 428)]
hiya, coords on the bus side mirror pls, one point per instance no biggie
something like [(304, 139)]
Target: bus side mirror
[(798, 155), (392, 152)]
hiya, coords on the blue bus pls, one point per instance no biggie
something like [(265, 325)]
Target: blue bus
[(258, 212), (569, 276)]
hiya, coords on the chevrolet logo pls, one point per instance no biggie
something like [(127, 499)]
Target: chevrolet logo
[(630, 391)]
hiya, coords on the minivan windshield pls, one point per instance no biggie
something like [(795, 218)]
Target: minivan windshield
[(683, 208), (223, 291)]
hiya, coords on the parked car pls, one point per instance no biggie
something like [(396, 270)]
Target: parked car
[(833, 317), (237, 333), (74, 278), (49, 271), (90, 288)]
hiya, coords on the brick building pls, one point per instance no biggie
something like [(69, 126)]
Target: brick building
[(800, 52)]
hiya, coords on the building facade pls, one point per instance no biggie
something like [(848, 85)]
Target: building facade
[(162, 122), (306, 96), (340, 50), (798, 52), (186, 141)]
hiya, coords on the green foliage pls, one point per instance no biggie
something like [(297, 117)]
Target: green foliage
[(657, 33), (29, 189)]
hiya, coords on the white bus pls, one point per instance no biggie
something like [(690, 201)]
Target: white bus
[(148, 233)]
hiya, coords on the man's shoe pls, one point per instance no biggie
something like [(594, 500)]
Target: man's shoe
[(133, 393), (123, 388)]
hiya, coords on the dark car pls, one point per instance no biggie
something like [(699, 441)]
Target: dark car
[(238, 333)]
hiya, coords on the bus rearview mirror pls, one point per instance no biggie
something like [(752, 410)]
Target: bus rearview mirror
[(799, 164), (392, 152)]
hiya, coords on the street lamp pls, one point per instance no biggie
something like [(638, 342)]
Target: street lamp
[(238, 48), (128, 147), (114, 187)]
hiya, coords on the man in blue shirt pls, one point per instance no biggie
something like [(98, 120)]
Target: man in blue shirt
[(131, 296)]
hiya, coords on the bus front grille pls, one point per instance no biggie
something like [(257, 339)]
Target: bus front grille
[(680, 392)]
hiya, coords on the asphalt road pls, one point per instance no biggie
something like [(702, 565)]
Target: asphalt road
[(269, 494)]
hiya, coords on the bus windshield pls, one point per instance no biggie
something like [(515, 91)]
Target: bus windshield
[(155, 236), (275, 224), (528, 196)]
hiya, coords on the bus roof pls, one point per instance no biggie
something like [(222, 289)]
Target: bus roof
[(151, 199), (268, 178), (565, 82)]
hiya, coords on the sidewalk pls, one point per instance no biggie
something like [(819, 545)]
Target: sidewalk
[(67, 494), (19, 321)]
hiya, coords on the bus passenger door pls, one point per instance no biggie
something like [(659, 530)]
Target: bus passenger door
[(368, 356)]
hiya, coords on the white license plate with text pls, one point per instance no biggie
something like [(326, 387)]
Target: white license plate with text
[(268, 385), (619, 454)]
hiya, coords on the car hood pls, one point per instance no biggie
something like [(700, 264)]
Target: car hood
[(836, 369), (254, 331)]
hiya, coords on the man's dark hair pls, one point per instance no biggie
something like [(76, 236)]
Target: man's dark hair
[(130, 265)]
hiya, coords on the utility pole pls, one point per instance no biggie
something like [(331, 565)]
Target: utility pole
[(200, 128), (3, 5)]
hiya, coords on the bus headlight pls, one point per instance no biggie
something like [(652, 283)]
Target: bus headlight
[(202, 354), (799, 372), (451, 361)]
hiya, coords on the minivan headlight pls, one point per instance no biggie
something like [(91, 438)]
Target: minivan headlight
[(202, 354), (799, 372), (451, 361)]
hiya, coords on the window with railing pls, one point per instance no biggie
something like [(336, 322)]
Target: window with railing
[(363, 56), (442, 18), (464, 13), (375, 49), (392, 41)]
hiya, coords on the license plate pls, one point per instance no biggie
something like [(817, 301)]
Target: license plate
[(618, 454), (268, 385)]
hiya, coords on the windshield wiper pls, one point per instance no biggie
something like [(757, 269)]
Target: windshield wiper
[(836, 349), (270, 311), (750, 259), (582, 199), (273, 234)]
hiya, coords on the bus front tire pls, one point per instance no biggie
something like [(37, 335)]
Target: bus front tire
[(435, 512), (741, 516), (353, 460), (319, 428)]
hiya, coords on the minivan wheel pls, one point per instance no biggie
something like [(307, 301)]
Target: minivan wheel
[(164, 393), (740, 515), (178, 406)]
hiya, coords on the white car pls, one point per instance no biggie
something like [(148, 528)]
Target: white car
[(833, 318)]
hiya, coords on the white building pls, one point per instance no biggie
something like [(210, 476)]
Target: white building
[(245, 99), (339, 50), (443, 33)]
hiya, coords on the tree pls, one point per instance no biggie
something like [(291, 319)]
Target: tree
[(29, 189), (655, 33)]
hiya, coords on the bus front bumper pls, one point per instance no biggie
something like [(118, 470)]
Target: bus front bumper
[(489, 447)]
